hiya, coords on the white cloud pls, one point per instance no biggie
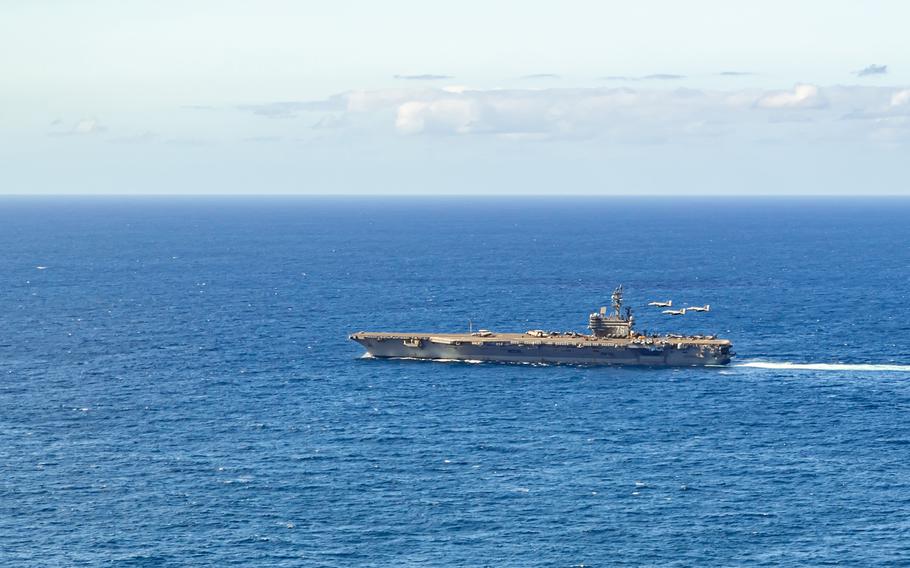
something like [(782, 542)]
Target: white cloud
[(449, 115), (802, 97), (901, 98), (411, 117), (618, 115), (82, 127), (87, 126), (369, 101)]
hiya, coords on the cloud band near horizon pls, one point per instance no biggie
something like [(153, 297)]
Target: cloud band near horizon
[(620, 114)]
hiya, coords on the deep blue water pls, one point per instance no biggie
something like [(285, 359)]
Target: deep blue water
[(177, 388)]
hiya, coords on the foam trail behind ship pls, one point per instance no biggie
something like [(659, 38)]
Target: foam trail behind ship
[(825, 366)]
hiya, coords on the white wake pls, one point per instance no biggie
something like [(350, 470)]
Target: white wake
[(825, 366)]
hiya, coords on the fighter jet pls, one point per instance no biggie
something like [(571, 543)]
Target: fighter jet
[(667, 304), (681, 312), (705, 308)]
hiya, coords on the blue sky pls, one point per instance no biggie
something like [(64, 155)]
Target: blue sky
[(406, 97)]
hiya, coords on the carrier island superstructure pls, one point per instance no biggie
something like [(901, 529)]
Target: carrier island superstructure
[(612, 341)]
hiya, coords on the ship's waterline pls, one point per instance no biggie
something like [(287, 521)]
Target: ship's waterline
[(612, 342)]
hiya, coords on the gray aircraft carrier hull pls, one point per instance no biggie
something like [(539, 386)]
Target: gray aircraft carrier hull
[(516, 348)]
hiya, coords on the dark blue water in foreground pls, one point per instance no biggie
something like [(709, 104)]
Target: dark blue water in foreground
[(177, 388)]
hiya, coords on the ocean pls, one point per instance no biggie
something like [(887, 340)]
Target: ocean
[(178, 389)]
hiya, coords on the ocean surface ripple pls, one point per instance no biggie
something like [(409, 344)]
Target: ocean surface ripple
[(178, 388)]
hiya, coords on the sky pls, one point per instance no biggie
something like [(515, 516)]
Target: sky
[(704, 97)]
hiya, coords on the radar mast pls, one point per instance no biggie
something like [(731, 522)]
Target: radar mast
[(617, 301), (614, 325)]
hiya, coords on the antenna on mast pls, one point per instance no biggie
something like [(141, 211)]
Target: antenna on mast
[(617, 301)]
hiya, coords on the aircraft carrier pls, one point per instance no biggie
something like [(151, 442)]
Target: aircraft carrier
[(612, 341)]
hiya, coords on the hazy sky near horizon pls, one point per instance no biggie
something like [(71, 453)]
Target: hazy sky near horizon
[(494, 97)]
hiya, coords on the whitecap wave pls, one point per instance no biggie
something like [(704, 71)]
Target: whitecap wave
[(825, 366), (471, 361)]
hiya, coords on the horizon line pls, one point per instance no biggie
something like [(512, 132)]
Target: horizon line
[(464, 195), (636, 194)]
